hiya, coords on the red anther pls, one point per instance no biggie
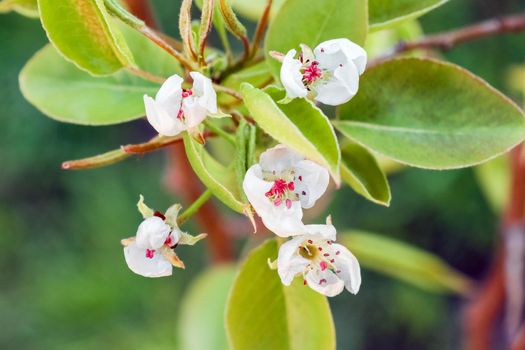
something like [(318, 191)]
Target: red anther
[(159, 215), (322, 281), (323, 265), (150, 253), (312, 72), (291, 185), (300, 178), (186, 93), (310, 241), (288, 203)]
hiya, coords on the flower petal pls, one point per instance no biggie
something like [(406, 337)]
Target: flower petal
[(161, 120), (204, 92), (291, 76), (321, 232), (325, 282), (281, 220), (152, 233), (137, 261), (289, 263), (332, 53), (194, 112), (311, 182), (279, 158), (347, 263), (341, 87), (170, 89)]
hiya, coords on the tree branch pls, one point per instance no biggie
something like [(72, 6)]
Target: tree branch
[(448, 40)]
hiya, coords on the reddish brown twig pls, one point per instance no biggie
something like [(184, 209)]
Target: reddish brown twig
[(450, 39), (482, 313), (261, 28)]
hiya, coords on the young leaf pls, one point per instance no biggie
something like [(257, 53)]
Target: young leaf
[(185, 28), (201, 321), (231, 21), (264, 314), (430, 114), (299, 124), (312, 23), (27, 8), (360, 170), (63, 92), (387, 13), (405, 262), (205, 25), (83, 33), (219, 179)]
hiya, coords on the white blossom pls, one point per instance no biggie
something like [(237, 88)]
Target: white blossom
[(281, 185), (175, 109), (326, 267), (150, 252), (329, 74)]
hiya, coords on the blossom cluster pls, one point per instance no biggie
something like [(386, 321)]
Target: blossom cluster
[(278, 188)]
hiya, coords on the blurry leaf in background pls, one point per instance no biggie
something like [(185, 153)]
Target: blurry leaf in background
[(405, 262), (258, 75), (299, 23), (262, 313), (219, 179), (387, 13), (27, 8), (299, 125), (435, 115), (360, 170), (63, 92), (201, 321), (380, 42), (82, 31), (254, 8), (494, 180)]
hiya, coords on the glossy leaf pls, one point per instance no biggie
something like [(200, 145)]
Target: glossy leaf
[(83, 33), (262, 313), (201, 321), (63, 92), (386, 13), (405, 262), (360, 170), (218, 178), (494, 180), (27, 8), (312, 23), (299, 124), (430, 114)]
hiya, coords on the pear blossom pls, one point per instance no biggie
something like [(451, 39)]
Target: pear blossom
[(281, 185), (150, 253), (326, 267), (329, 74), (175, 109)]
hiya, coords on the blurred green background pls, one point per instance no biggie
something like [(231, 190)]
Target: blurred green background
[(63, 280)]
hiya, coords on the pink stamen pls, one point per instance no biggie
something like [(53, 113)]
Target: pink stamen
[(288, 203), (312, 72), (278, 191), (150, 253), (323, 265), (186, 93), (168, 241)]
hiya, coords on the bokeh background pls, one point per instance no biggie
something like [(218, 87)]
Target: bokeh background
[(63, 280)]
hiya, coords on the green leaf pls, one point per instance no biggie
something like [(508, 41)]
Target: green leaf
[(27, 8), (244, 140), (405, 262), (258, 75), (254, 8), (65, 93), (201, 321), (262, 313), (83, 33), (221, 180), (430, 114), (387, 13), (361, 171), (312, 23), (299, 125), (494, 180)]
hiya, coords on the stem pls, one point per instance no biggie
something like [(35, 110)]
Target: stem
[(261, 28), (228, 91), (97, 161), (220, 132), (450, 39), (146, 75), (194, 207)]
